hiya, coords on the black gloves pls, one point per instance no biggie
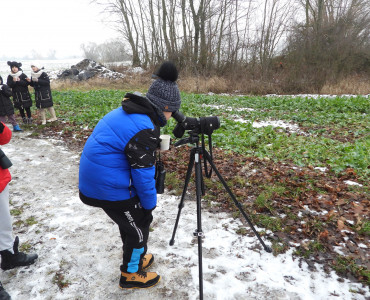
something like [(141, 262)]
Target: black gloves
[(148, 217)]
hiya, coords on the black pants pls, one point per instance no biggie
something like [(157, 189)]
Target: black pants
[(28, 111), (133, 222)]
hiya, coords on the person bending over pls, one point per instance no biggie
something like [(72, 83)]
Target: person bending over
[(117, 170)]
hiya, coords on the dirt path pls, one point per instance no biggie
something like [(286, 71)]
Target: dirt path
[(80, 249)]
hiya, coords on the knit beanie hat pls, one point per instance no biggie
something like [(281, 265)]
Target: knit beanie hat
[(12, 64), (164, 92)]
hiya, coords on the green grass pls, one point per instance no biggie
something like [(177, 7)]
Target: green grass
[(326, 121)]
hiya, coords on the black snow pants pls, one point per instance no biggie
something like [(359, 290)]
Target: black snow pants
[(133, 222)]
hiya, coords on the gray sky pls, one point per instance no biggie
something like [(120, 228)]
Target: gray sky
[(45, 25)]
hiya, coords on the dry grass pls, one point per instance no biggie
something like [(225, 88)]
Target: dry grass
[(215, 84), (357, 85)]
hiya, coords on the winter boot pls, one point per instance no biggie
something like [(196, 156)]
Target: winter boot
[(138, 280), (43, 116), (10, 260), (25, 120), (16, 128), (3, 294), (30, 120), (53, 116), (148, 260)]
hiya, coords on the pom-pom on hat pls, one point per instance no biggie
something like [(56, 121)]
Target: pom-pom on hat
[(12, 64), (164, 92)]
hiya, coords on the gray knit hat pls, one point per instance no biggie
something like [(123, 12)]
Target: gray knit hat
[(164, 92)]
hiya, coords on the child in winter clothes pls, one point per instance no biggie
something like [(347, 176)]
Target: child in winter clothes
[(10, 255), (41, 83), (117, 170), (17, 81), (6, 106)]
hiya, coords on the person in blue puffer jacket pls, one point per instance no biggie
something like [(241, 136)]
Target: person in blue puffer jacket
[(117, 169)]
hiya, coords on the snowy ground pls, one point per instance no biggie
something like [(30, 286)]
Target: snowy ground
[(82, 244)]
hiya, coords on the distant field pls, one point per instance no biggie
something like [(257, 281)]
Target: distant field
[(322, 132)]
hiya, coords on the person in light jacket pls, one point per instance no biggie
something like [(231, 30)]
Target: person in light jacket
[(41, 83)]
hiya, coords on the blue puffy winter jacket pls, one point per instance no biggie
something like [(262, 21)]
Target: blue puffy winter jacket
[(118, 159)]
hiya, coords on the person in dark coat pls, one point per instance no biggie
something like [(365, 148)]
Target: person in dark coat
[(41, 83), (117, 169), (22, 100), (6, 106)]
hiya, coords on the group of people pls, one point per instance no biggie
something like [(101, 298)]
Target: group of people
[(117, 172), (17, 87)]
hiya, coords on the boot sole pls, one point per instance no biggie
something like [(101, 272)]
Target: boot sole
[(139, 287)]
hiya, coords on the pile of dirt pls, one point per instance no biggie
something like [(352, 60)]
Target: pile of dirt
[(87, 69)]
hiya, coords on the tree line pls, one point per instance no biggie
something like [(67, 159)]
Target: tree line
[(300, 41)]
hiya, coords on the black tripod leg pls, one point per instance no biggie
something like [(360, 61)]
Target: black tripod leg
[(181, 204), (208, 157), (199, 231)]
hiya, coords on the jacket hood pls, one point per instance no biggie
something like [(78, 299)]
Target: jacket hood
[(138, 104)]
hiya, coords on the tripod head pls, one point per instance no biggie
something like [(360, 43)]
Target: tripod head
[(192, 139)]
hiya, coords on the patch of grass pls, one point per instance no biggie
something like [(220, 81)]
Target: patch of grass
[(344, 264), (310, 249), (60, 280), (174, 183), (18, 223), (279, 247), (31, 221), (25, 247), (265, 199), (272, 223), (16, 212), (242, 231), (35, 134), (364, 228)]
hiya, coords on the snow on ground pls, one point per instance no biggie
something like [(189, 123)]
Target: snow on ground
[(82, 244), (290, 127)]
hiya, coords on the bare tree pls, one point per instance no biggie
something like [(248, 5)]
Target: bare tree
[(275, 20)]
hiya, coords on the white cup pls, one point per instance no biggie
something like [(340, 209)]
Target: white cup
[(165, 141)]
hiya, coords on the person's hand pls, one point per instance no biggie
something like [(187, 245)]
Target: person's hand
[(29, 80), (148, 217), (1, 87)]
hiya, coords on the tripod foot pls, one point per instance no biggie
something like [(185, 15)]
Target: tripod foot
[(268, 249), (172, 242)]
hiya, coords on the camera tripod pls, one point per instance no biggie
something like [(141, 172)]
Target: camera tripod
[(195, 160)]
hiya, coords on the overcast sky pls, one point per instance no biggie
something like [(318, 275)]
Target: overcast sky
[(45, 25)]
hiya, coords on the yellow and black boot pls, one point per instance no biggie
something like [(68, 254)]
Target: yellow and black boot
[(138, 280), (148, 260)]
